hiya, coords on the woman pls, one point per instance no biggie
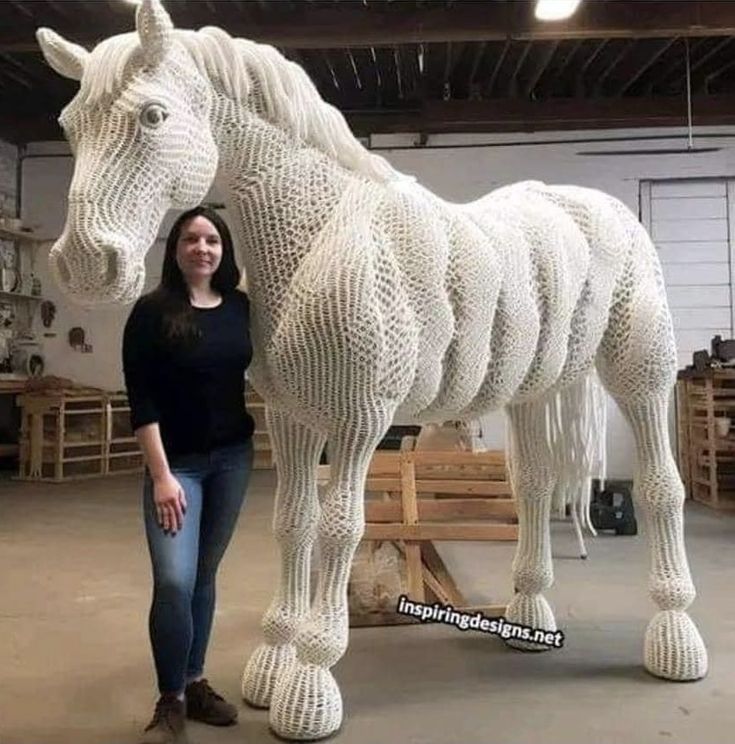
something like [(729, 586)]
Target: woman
[(185, 350)]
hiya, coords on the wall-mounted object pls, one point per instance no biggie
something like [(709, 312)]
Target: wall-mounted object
[(9, 275), (7, 314), (76, 338), (48, 313), (9, 279), (11, 223), (26, 358)]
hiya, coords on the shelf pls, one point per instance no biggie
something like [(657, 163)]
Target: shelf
[(21, 296), (707, 459), (65, 445), (8, 234), (85, 458)]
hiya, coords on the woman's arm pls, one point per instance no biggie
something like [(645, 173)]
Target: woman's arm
[(139, 368), (149, 439)]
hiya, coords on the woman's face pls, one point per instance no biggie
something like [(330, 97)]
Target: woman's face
[(198, 250)]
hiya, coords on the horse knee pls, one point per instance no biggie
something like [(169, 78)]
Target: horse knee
[(661, 493), (295, 527)]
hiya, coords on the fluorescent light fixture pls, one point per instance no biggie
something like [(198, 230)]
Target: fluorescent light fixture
[(555, 10)]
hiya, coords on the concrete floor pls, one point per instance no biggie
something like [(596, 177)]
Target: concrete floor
[(75, 663)]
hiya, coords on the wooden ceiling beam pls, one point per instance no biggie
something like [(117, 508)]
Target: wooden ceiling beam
[(354, 25), (579, 81), (625, 48), (555, 75), (490, 84), (540, 65), (718, 73), (513, 83), (524, 115), (497, 115), (641, 66)]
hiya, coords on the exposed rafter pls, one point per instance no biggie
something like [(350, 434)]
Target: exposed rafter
[(406, 56), (498, 115), (518, 115), (353, 25)]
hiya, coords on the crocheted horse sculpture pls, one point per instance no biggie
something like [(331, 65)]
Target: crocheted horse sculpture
[(373, 301)]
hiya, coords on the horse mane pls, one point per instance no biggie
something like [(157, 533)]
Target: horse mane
[(240, 68)]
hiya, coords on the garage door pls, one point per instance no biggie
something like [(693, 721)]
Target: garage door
[(690, 222)]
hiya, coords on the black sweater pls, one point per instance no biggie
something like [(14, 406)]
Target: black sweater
[(196, 395)]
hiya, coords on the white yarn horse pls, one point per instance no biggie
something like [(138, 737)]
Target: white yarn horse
[(373, 301)]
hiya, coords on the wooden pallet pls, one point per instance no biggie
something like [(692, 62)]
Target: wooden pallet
[(75, 434), (707, 459), (263, 450), (425, 497)]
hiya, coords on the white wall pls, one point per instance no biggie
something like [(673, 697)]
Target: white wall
[(448, 166)]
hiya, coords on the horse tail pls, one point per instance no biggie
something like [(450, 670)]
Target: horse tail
[(577, 422)]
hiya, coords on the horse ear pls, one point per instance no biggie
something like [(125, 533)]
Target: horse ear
[(66, 58), (154, 29)]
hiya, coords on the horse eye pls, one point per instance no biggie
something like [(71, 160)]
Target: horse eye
[(153, 115)]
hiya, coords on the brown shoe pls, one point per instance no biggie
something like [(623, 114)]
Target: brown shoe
[(205, 705), (168, 725)]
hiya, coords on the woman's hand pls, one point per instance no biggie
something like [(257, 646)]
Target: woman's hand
[(170, 502)]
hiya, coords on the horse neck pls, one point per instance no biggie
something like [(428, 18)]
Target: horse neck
[(280, 193)]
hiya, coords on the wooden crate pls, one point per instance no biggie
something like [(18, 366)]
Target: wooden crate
[(419, 497), (123, 451), (66, 435), (707, 459), (62, 436), (263, 458)]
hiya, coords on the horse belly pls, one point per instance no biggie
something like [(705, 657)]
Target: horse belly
[(415, 236), (472, 282), (595, 215), (560, 258), (516, 320)]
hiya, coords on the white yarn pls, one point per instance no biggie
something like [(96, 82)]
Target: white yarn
[(375, 301), (575, 425)]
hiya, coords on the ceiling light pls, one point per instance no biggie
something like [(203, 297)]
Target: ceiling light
[(555, 10)]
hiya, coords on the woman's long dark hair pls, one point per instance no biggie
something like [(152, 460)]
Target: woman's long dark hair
[(172, 294)]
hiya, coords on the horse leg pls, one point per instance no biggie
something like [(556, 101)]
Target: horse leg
[(533, 480), (637, 364), (306, 702), (673, 648), (297, 450)]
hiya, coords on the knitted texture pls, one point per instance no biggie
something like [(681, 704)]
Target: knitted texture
[(374, 301)]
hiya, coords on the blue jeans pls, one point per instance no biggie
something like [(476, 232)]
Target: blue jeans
[(185, 564)]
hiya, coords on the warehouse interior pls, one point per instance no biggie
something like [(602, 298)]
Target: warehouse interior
[(634, 98)]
